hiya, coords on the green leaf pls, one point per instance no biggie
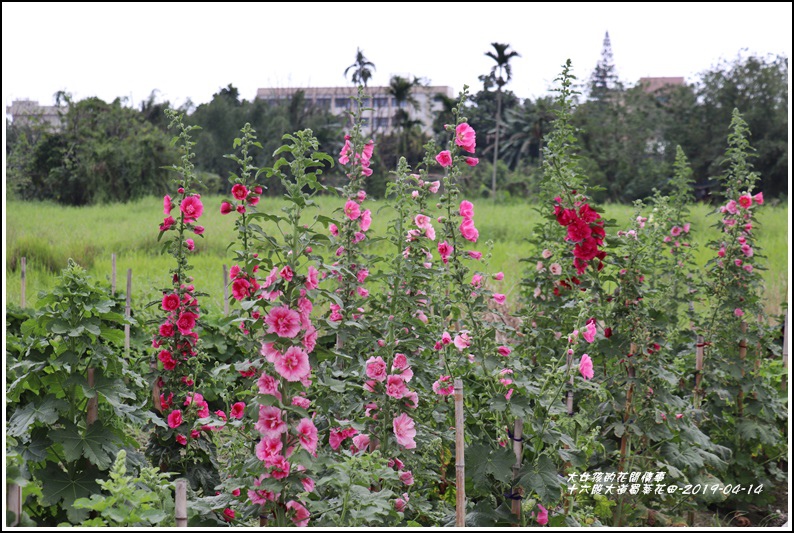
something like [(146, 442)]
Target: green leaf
[(95, 444), (115, 336), (67, 487), (543, 479), (46, 412)]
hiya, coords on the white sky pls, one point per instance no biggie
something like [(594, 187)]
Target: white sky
[(194, 49)]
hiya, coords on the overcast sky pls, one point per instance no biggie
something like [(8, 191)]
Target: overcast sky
[(194, 49)]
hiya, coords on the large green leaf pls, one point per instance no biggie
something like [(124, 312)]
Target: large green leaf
[(58, 485), (46, 412), (95, 443), (543, 479), (485, 460)]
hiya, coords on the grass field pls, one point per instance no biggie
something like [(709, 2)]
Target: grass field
[(48, 235)]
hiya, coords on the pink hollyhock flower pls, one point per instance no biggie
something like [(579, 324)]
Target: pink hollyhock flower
[(445, 250), (300, 401), (270, 423), (679, 416), (239, 191), (504, 351), (465, 137), (181, 439), (446, 338), (268, 384), (310, 339), (499, 298), (366, 220), (737, 262), (422, 221), (191, 208), (745, 201), (361, 442), (170, 302), (675, 231), (407, 477), (759, 198), (175, 418), (721, 252), (168, 205), (358, 237), (443, 386), (352, 210), (361, 196), (333, 229), (472, 161), (186, 322), (401, 503), (269, 352), (168, 222), (747, 250), (404, 431), (686, 227), (395, 386), (411, 398), (307, 435), (293, 365), (731, 207), (738, 312), (462, 341), (238, 410), (555, 269), (226, 208), (228, 514), (476, 280), (444, 158), (280, 467), (434, 186), (301, 515), (499, 276), (543, 515), (362, 275), (546, 253), (191, 245), (468, 230), (286, 273), (284, 322), (590, 332), (312, 279), (241, 288), (344, 154), (586, 367), (474, 255), (509, 395), (308, 484), (466, 209), (400, 361), (748, 267), (376, 368)]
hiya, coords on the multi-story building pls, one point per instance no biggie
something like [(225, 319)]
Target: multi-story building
[(338, 101), (29, 112)]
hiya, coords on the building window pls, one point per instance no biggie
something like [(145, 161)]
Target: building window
[(381, 101), (324, 103), (394, 103), (382, 122), (343, 103)]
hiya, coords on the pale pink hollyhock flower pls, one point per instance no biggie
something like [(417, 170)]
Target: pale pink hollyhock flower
[(472, 161), (537, 292), (268, 384), (366, 220), (737, 262), (543, 515), (730, 222), (361, 442), (434, 186), (358, 237), (675, 231), (468, 230), (308, 484), (168, 205), (411, 398), (742, 239), (679, 416), (667, 238), (445, 250), (476, 280), (414, 194), (462, 341), (499, 276), (301, 515), (270, 423), (466, 209), (738, 312), (505, 381), (590, 332), (340, 251), (465, 137), (307, 434), (269, 352), (294, 364), (504, 351), (430, 233), (226, 208), (271, 278), (352, 210), (191, 208), (284, 322), (175, 418), (369, 385), (395, 386), (344, 154), (422, 221), (731, 207), (400, 361), (759, 198), (499, 298), (401, 503), (302, 402), (748, 267), (376, 368), (446, 338), (407, 477), (474, 254), (362, 275), (422, 317), (586, 367), (509, 395), (312, 279), (238, 410), (267, 447), (555, 269), (333, 229), (539, 267), (546, 253), (404, 431), (444, 158), (745, 201), (361, 196), (747, 250)]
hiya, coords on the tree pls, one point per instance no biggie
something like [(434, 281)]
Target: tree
[(500, 74), (402, 91), (362, 69), (604, 80)]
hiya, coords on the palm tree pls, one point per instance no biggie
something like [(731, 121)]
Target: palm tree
[(501, 74), (401, 89), (362, 69)]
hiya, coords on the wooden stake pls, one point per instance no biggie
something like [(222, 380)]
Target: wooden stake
[(180, 503), (742, 358), (127, 313), (225, 291), (23, 268), (569, 395), (14, 502), (699, 349), (113, 274), (627, 412), (784, 381), (518, 450), (92, 409), (460, 479)]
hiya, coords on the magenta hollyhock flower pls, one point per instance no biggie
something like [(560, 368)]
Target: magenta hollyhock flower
[(472, 161), (300, 515), (476, 280), (675, 231), (446, 338), (362, 275), (302, 402), (590, 332), (307, 433), (352, 210), (366, 220), (268, 385), (186, 322), (759, 198), (395, 386), (270, 423), (166, 329), (499, 298), (376, 368), (181, 439), (499, 276), (434, 186), (586, 367), (400, 361), (578, 230), (286, 273), (168, 222), (284, 322), (504, 351), (312, 279), (238, 410), (731, 207), (404, 431), (267, 448), (308, 484), (747, 250), (191, 208), (738, 312), (239, 191), (401, 503), (226, 208), (198, 230), (466, 209), (407, 477), (170, 302), (468, 230), (465, 137), (543, 515), (444, 158), (333, 229), (474, 255), (293, 365), (745, 201), (241, 288), (445, 250), (175, 418), (168, 205), (228, 514), (361, 442), (344, 154)]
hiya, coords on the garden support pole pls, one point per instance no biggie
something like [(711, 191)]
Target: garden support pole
[(518, 450), (699, 348), (784, 381), (225, 291), (93, 403), (22, 268), (127, 313), (742, 358), (180, 503), (113, 274), (460, 479), (14, 503)]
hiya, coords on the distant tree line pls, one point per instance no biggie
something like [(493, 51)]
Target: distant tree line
[(107, 152)]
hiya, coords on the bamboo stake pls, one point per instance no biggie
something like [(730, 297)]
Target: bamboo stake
[(460, 480), (570, 392), (699, 349), (225, 291), (784, 381), (127, 313), (518, 450), (180, 503), (23, 269), (627, 412), (742, 358), (14, 502), (93, 403), (113, 274)]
